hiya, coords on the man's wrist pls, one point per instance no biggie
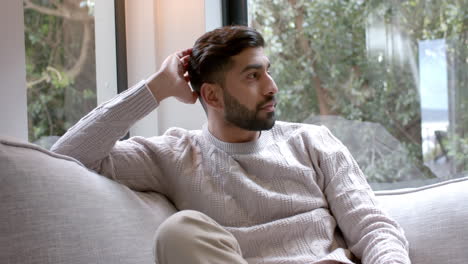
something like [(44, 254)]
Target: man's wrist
[(156, 85)]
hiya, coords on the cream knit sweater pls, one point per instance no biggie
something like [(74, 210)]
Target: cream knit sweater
[(282, 196)]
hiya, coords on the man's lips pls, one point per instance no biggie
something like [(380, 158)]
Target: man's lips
[(269, 107)]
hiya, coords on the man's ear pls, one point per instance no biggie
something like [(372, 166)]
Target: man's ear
[(212, 95)]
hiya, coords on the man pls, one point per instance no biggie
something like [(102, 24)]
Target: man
[(250, 190)]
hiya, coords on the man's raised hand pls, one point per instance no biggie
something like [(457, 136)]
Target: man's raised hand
[(172, 79)]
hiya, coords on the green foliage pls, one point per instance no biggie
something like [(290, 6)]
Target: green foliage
[(457, 148), (324, 64), (55, 100)]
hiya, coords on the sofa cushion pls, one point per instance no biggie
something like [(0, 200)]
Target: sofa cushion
[(54, 210), (434, 219)]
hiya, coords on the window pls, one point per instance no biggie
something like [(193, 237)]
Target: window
[(388, 78), (61, 63)]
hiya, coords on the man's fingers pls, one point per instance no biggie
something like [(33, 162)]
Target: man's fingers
[(185, 60), (186, 76), (194, 97), (187, 52), (184, 53)]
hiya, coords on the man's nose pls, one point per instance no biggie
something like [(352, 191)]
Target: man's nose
[(270, 86)]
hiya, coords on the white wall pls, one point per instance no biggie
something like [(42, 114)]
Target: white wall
[(13, 112), (179, 23), (141, 54), (106, 61), (156, 29)]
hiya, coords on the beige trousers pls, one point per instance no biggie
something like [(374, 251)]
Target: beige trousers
[(193, 237)]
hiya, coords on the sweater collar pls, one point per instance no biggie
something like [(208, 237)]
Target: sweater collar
[(239, 148)]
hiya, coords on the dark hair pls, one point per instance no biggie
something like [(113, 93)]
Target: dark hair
[(212, 52)]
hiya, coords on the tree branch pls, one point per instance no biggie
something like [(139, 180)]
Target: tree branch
[(60, 11), (43, 10), (85, 44), (45, 77), (322, 94)]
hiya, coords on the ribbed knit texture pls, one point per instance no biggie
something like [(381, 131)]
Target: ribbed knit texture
[(283, 196)]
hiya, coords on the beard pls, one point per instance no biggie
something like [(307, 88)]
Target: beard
[(242, 117)]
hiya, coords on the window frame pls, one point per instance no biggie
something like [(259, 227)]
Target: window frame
[(121, 45), (234, 12)]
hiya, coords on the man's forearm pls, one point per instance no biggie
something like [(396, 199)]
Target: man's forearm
[(92, 138)]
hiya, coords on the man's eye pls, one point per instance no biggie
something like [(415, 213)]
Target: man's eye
[(253, 75)]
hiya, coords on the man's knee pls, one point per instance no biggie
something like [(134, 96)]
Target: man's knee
[(180, 228), (193, 237)]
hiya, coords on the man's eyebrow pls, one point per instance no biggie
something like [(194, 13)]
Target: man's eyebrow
[(255, 66)]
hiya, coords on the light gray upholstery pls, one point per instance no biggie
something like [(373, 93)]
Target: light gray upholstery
[(434, 218), (53, 210)]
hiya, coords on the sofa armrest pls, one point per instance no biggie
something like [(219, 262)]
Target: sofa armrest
[(54, 210), (434, 220)]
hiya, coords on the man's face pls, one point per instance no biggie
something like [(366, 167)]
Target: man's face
[(249, 91)]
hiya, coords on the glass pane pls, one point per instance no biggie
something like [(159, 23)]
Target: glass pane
[(60, 66), (388, 78)]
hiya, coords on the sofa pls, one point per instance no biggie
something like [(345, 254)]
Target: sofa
[(54, 210)]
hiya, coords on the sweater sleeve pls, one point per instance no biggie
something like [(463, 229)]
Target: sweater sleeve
[(369, 233), (94, 141)]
